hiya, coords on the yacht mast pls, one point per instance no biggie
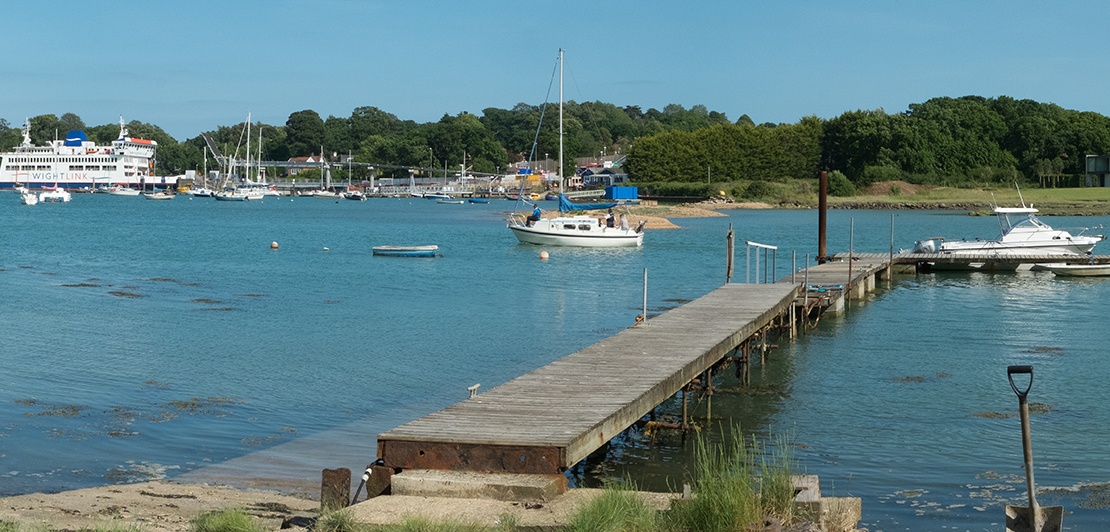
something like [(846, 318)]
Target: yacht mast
[(560, 170), (247, 168)]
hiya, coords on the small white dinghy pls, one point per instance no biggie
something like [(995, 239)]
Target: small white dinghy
[(1080, 270)]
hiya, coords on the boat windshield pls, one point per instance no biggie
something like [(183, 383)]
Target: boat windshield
[(1029, 220)]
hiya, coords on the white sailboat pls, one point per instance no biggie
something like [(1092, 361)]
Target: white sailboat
[(581, 230)]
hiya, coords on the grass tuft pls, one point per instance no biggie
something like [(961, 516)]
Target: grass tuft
[(230, 520), (617, 509), (727, 494), (339, 521)]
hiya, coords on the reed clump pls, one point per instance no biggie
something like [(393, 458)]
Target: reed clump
[(737, 483)]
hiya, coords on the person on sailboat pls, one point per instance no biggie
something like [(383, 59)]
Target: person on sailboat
[(535, 217), (610, 222), (624, 223)]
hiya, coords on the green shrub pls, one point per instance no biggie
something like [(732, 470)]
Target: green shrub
[(760, 190), (230, 520), (839, 185), (876, 174), (9, 526)]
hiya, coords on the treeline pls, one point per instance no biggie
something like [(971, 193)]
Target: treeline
[(968, 141), (489, 143)]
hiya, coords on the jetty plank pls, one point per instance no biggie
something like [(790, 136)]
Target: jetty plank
[(550, 419)]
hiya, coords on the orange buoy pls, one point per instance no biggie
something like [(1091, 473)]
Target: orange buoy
[(543, 255)]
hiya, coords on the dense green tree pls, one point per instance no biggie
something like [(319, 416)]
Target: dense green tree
[(9, 136), (44, 128), (305, 133)]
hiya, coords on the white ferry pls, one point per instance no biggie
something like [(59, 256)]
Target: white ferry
[(77, 162)]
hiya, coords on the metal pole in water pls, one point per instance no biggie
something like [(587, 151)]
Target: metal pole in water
[(757, 265), (730, 246), (765, 266)]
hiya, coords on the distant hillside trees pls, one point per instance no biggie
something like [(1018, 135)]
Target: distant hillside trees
[(948, 141)]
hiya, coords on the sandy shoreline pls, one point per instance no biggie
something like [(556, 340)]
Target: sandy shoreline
[(158, 505)]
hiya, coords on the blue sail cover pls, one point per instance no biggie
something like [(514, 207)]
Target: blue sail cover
[(75, 138), (566, 205)]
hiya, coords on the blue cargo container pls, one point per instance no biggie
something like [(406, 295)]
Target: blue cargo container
[(618, 193)]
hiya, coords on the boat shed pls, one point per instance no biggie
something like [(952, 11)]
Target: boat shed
[(1097, 171)]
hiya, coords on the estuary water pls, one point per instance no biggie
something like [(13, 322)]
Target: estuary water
[(148, 339)]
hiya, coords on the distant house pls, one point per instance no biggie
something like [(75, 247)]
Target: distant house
[(603, 177), (310, 159)]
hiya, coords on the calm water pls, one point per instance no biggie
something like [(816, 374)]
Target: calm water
[(148, 338)]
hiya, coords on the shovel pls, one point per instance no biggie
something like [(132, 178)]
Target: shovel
[(1032, 518)]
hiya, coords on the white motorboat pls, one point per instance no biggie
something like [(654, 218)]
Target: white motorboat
[(28, 198), (55, 195), (1028, 236)]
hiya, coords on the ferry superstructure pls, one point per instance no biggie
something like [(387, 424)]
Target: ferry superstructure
[(77, 162)]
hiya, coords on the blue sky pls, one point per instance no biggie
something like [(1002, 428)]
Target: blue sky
[(192, 66)]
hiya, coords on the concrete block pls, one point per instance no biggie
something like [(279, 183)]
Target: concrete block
[(469, 485), (807, 498)]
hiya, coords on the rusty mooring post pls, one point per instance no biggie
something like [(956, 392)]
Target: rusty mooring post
[(335, 489), (822, 209)]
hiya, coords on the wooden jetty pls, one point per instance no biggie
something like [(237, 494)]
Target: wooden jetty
[(550, 419)]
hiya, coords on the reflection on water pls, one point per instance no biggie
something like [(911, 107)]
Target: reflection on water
[(905, 402), (238, 361)]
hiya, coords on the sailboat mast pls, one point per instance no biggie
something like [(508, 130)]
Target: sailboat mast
[(247, 168), (560, 174), (259, 160)]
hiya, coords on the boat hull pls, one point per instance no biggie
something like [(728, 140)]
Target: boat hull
[(580, 231), (406, 251), (1080, 270)]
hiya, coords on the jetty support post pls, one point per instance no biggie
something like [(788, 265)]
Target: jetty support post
[(335, 488), (822, 209), (890, 263), (851, 235), (805, 290)]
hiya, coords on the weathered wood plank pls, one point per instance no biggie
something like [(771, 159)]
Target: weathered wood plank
[(579, 402)]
